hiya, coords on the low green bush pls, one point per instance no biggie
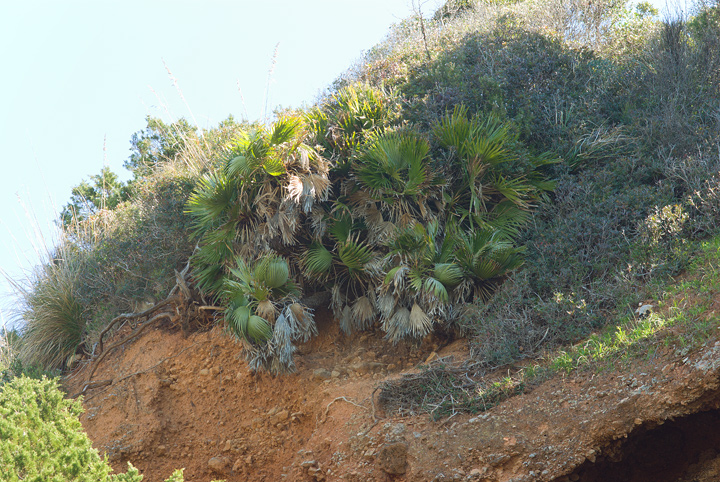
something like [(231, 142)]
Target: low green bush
[(43, 441)]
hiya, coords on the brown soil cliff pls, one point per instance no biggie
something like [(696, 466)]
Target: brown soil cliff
[(190, 402)]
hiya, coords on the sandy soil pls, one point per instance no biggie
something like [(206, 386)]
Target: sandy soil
[(190, 402)]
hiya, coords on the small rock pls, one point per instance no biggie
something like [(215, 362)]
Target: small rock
[(204, 372), (249, 460), (392, 458), (218, 464), (228, 446), (321, 374), (335, 374), (237, 465)]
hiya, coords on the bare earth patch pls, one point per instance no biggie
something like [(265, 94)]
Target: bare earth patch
[(190, 402)]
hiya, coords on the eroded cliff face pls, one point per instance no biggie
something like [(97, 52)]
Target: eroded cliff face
[(190, 402)]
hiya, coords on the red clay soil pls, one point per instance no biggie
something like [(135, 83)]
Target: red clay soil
[(190, 402)]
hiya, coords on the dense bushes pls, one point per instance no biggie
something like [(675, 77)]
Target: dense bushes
[(631, 111), (393, 223), (111, 261), (408, 209)]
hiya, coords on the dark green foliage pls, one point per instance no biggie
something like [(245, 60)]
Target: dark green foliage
[(158, 143), (103, 191), (352, 223), (42, 436)]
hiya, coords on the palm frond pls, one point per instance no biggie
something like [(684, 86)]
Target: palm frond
[(237, 319), (258, 329), (363, 313), (317, 261), (436, 290), (420, 323), (210, 201)]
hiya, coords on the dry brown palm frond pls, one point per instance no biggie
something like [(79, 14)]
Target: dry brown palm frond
[(318, 221), (420, 322), (337, 299), (396, 326), (346, 319), (464, 289), (294, 188), (320, 186), (266, 309), (288, 222), (386, 304), (304, 158), (300, 313), (363, 312)]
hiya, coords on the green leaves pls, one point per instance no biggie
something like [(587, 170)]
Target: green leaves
[(395, 170), (273, 271), (211, 200), (317, 261), (387, 228)]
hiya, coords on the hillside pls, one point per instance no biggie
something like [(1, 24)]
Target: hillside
[(180, 401), (488, 253)]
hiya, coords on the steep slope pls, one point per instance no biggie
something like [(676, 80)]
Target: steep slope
[(188, 401)]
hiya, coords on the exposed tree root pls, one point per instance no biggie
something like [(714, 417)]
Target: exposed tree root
[(178, 307)]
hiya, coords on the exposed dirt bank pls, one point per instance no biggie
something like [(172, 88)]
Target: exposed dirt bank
[(191, 402)]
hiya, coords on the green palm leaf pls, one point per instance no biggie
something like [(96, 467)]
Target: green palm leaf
[(354, 256), (274, 165), (317, 260), (436, 289), (285, 129), (449, 274), (258, 329), (238, 319), (210, 200), (273, 271), (242, 166)]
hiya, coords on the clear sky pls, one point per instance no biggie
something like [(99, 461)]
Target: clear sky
[(80, 76)]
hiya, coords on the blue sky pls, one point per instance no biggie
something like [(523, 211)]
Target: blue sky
[(79, 78)]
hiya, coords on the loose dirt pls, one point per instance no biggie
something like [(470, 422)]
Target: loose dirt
[(189, 401)]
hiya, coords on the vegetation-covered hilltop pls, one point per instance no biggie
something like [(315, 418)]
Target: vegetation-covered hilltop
[(521, 173)]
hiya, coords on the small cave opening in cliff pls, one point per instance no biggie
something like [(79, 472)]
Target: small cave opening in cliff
[(686, 449)]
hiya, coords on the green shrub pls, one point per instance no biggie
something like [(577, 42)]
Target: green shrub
[(42, 439), (393, 224)]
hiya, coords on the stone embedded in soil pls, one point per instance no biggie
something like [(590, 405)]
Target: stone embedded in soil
[(321, 374), (218, 464), (280, 417), (392, 458)]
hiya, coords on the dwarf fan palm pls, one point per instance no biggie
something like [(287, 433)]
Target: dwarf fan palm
[(263, 312), (350, 267), (421, 276), (480, 154), (394, 171), (347, 118)]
